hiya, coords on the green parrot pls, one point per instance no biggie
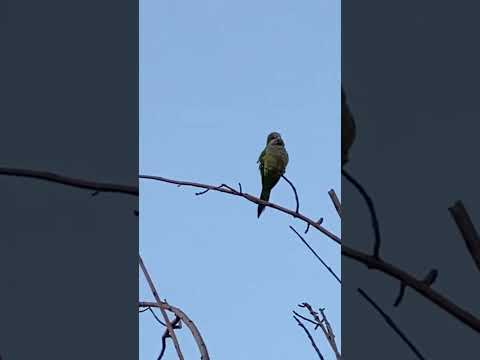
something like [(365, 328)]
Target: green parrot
[(273, 163)]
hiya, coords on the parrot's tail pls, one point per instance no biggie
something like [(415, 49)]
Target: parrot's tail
[(265, 195)]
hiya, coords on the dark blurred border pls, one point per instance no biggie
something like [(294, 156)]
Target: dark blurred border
[(410, 75), (68, 260)]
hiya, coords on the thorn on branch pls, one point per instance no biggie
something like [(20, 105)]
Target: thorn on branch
[(308, 227), (240, 188), (319, 222), (431, 277), (202, 192), (294, 191), (228, 187), (428, 280)]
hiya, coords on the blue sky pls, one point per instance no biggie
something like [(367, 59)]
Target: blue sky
[(215, 78)]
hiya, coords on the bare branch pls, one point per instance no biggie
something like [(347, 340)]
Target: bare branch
[(392, 324), (371, 262), (317, 350), (78, 183), (164, 314), (418, 285), (294, 191), (467, 229), (314, 253), (186, 320), (228, 190)]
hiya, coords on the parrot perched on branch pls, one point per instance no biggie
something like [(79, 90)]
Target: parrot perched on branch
[(273, 163)]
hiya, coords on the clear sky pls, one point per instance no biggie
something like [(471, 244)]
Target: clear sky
[(215, 78)]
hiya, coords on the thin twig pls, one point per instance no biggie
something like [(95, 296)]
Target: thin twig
[(317, 350), (78, 183), (307, 319), (202, 192), (294, 191), (166, 335), (156, 317), (227, 190), (327, 323), (467, 229), (308, 228), (316, 255), (401, 294), (391, 323), (336, 202), (325, 326), (371, 208), (428, 280), (185, 320), (164, 314)]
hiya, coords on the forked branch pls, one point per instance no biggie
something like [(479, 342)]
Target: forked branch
[(162, 310), (185, 320)]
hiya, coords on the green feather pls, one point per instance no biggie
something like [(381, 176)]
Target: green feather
[(273, 163)]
